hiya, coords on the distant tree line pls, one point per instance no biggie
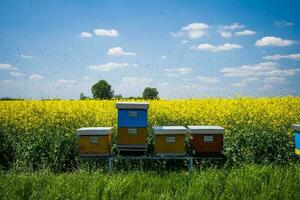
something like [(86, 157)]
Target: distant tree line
[(103, 90)]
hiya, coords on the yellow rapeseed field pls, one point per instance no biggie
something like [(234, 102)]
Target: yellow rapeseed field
[(257, 130), (271, 113)]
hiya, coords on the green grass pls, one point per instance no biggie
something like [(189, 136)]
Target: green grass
[(246, 182)]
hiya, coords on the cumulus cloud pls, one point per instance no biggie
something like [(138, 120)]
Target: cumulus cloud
[(109, 66), (225, 34), (193, 30), (16, 74), (274, 80), (208, 80), (273, 41), (35, 77), (5, 66), (295, 56), (232, 26), (26, 56), (163, 57), (175, 72), (226, 30), (222, 47), (244, 82), (283, 23), (184, 42), (105, 32), (66, 81), (260, 69), (118, 51), (245, 32), (85, 35)]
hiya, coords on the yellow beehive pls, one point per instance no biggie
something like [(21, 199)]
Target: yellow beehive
[(169, 140), (132, 136), (94, 141)]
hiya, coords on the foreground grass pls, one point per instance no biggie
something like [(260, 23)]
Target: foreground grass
[(247, 182)]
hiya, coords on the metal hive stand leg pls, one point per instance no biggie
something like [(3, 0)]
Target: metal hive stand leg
[(190, 164), (110, 164)]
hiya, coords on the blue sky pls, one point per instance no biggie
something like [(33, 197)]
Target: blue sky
[(184, 48)]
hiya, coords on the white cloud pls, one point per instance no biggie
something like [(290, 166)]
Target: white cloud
[(193, 30), (177, 34), (278, 57), (163, 57), (109, 66), (274, 80), (26, 56), (244, 82), (223, 47), (226, 30), (260, 69), (233, 26), (118, 51), (184, 42), (177, 71), (16, 74), (85, 35), (273, 41), (35, 77), (245, 32), (86, 78), (135, 80), (283, 23), (66, 81), (5, 66), (208, 80), (225, 34), (105, 32)]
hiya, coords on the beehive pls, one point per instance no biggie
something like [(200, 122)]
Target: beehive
[(296, 127), (132, 126), (206, 140), (94, 141), (169, 140)]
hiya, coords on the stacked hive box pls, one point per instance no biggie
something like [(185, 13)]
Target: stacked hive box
[(207, 140), (94, 141), (296, 127), (169, 140), (132, 127)]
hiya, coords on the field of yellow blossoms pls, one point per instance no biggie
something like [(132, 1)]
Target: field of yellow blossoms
[(36, 133)]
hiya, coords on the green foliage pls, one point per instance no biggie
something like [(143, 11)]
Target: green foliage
[(102, 90), (150, 93), (83, 97), (245, 182)]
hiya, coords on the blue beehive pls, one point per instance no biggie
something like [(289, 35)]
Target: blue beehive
[(296, 127), (132, 114)]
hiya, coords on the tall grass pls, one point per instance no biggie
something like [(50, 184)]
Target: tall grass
[(246, 182)]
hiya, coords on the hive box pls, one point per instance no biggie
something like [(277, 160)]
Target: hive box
[(94, 141), (206, 140), (132, 114), (169, 140), (132, 139), (296, 127)]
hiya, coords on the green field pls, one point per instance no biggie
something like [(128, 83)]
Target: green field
[(246, 182)]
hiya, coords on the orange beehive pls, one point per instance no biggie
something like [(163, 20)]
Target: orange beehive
[(94, 141), (169, 140)]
